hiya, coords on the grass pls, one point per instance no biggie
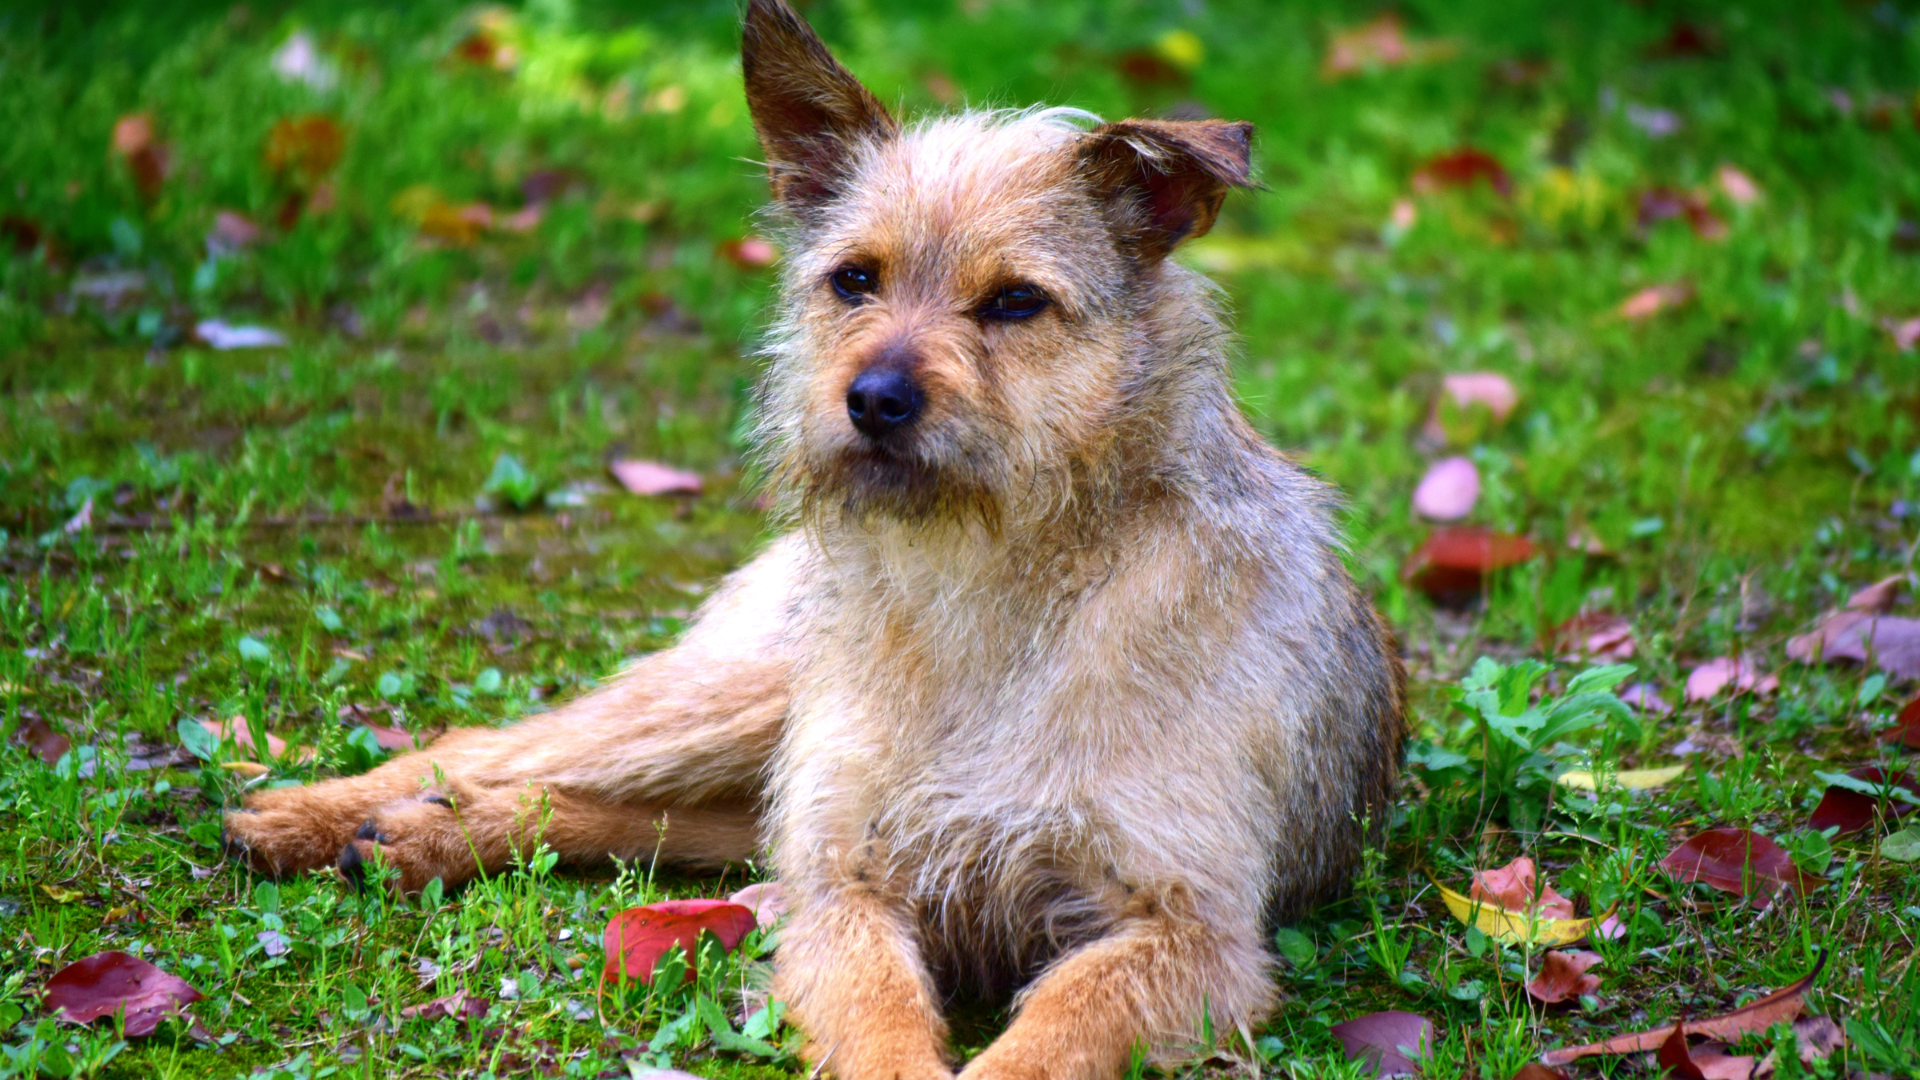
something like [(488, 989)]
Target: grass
[(305, 533)]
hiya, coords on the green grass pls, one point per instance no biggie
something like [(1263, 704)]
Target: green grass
[(1745, 460)]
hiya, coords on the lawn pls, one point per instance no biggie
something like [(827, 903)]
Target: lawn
[(321, 325)]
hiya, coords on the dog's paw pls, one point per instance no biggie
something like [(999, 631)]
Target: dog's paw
[(409, 842), (285, 831)]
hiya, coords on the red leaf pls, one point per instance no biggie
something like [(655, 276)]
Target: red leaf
[(1453, 562), (1782, 1005), (147, 158), (1514, 888), (1906, 727), (1705, 682), (460, 1005), (1448, 491), (1740, 862), (1852, 811), (1663, 204), (1390, 1041), (638, 937), (106, 983), (1563, 975), (306, 147), (1533, 1070), (1462, 168), (1595, 635), (653, 478)]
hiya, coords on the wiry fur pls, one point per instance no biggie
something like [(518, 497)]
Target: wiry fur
[(1063, 689)]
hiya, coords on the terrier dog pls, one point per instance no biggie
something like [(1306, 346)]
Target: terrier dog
[(1060, 685)]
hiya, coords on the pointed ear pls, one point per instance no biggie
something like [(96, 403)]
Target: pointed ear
[(1164, 180), (807, 109)]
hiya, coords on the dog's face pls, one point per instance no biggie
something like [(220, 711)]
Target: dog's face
[(962, 298)]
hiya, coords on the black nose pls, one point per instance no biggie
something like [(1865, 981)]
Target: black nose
[(882, 400)]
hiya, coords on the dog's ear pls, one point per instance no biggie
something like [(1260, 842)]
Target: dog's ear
[(807, 109), (1165, 179)]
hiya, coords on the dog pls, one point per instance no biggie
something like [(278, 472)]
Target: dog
[(1058, 684)]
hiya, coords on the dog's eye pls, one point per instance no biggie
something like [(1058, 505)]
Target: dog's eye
[(854, 282), (1014, 302)]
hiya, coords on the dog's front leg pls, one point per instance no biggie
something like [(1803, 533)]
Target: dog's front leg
[(1147, 983), (851, 971)]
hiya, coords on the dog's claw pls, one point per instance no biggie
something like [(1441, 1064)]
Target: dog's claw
[(353, 867)]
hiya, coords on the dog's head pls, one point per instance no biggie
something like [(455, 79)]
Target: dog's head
[(969, 303)]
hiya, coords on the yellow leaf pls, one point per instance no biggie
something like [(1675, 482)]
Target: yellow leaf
[(1181, 48), (60, 894), (252, 770), (1631, 779), (1513, 927)]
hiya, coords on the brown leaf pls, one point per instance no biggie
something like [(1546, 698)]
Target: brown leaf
[(1709, 1061), (241, 733), (1891, 642), (38, 736), (1905, 332), (1654, 299), (1563, 975), (1851, 811), (146, 157), (1595, 635), (1515, 887), (1879, 597), (1533, 1070), (1781, 1005), (653, 478), (1740, 862), (748, 252), (1737, 186), (459, 225), (1462, 169), (1664, 204), (1390, 1041), (1705, 682), (304, 148), (1377, 43), (1815, 1038), (1452, 564), (232, 231), (113, 982), (460, 1005)]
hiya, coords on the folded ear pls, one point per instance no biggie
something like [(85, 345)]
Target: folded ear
[(807, 109), (1165, 179)]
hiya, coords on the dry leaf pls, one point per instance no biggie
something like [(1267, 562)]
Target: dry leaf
[(638, 937), (1491, 389), (110, 983), (1892, 643), (38, 736), (1906, 727), (1705, 682), (1738, 187), (304, 148), (460, 1005), (1379, 42), (1630, 779), (1905, 333), (1879, 597), (1851, 811), (767, 900), (1462, 168), (1563, 976), (146, 157), (1453, 563), (1781, 1005), (748, 253), (1709, 1062), (1392, 1042), (1595, 635), (1740, 862)]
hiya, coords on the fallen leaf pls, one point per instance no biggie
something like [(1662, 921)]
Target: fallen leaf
[(146, 157), (38, 736), (653, 478), (1453, 563), (1630, 779), (1448, 491), (1892, 643), (1705, 682), (223, 336), (1903, 846), (1654, 299), (1905, 333), (273, 942), (1664, 204), (304, 148), (1488, 388), (1657, 123), (1815, 1038), (1517, 888), (60, 894), (1595, 635), (1709, 1062), (1563, 975), (232, 232), (638, 937), (299, 59), (108, 983), (460, 1005), (1392, 1042), (1906, 727), (1646, 698), (1780, 1006), (748, 253), (393, 738), (766, 899), (460, 225), (1879, 597), (241, 733), (1737, 186), (1851, 811), (1461, 168), (251, 770), (1684, 40), (1514, 926), (1533, 1070), (1379, 42), (1740, 862)]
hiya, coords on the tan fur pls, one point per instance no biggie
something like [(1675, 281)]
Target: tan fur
[(1065, 690)]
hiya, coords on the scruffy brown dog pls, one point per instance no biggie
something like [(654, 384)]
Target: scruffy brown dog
[(1061, 684)]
